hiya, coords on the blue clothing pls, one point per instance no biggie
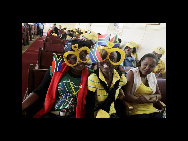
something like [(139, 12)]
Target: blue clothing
[(128, 62)]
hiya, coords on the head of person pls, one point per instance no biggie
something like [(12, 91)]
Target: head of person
[(64, 27), (107, 66), (109, 57), (59, 26), (129, 48), (148, 63), (76, 57), (90, 37), (159, 51), (68, 31)]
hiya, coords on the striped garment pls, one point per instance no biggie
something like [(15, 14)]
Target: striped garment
[(95, 86), (103, 39), (94, 54), (115, 41)]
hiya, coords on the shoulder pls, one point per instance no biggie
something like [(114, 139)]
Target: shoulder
[(134, 70), (93, 79), (161, 62), (130, 73), (133, 58), (92, 76), (130, 76), (151, 77), (123, 80)]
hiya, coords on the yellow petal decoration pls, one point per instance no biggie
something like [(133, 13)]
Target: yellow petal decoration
[(110, 44)]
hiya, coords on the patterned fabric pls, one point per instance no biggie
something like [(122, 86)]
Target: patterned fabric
[(56, 63), (94, 54), (67, 92), (103, 39), (95, 86)]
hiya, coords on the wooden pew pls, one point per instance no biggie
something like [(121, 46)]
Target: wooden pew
[(53, 47), (35, 77), (45, 58), (53, 40)]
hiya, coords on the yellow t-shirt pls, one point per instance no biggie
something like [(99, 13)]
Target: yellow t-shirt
[(160, 67), (95, 86), (145, 108)]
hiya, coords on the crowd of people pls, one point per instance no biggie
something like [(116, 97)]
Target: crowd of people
[(89, 82)]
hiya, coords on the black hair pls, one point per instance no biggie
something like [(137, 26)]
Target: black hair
[(84, 43), (148, 55), (80, 44), (134, 50)]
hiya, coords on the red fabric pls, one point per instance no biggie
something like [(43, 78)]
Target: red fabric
[(49, 32), (80, 109), (51, 93)]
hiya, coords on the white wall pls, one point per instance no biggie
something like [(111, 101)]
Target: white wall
[(48, 25), (146, 36)]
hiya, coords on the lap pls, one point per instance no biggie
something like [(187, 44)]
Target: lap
[(50, 115), (152, 115)]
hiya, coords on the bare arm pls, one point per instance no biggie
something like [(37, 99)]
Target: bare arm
[(127, 92), (32, 98)]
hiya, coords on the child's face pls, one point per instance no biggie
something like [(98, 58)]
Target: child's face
[(128, 50)]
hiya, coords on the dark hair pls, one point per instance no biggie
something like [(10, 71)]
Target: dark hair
[(148, 55), (76, 41), (134, 50), (84, 43), (68, 44)]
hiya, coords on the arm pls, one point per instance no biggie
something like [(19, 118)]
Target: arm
[(39, 92), (128, 96), (151, 98), (90, 97), (32, 98), (90, 104)]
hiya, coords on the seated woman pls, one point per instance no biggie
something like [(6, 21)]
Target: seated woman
[(104, 85), (64, 86), (142, 89)]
